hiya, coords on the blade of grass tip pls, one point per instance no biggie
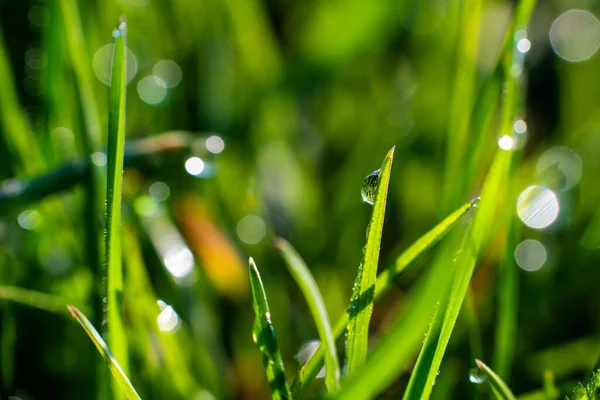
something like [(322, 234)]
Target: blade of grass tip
[(385, 281), (361, 303), (263, 334), (120, 376), (500, 389), (309, 289), (116, 139)]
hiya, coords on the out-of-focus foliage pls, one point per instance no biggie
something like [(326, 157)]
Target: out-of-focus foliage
[(252, 119)]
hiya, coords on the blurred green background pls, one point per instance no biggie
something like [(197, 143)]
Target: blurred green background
[(251, 119)]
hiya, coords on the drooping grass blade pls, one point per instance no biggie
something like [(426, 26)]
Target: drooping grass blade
[(500, 389), (385, 280), (309, 289), (361, 304), (263, 334), (120, 376), (117, 338)]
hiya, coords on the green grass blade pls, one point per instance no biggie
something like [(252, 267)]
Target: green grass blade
[(32, 298), (309, 289), (385, 281), (82, 69), (392, 354), (361, 304), (589, 392), (116, 140), (120, 377), (500, 389), (263, 334)]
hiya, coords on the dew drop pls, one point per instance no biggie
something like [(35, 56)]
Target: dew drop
[(369, 187), (476, 376)]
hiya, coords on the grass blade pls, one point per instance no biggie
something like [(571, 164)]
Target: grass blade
[(309, 289), (115, 152), (500, 389), (120, 377), (397, 348), (385, 281), (263, 334), (361, 304), (32, 298)]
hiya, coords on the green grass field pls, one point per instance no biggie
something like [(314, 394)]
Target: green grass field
[(299, 200)]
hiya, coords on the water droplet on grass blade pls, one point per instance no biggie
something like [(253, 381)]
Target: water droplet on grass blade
[(369, 187), (476, 376)]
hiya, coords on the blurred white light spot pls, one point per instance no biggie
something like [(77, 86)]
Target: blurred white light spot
[(99, 158), (168, 320), (537, 207), (251, 229), (152, 90), (524, 45), (159, 191), (179, 261), (29, 219), (563, 164), (12, 186), (575, 35), (103, 60), (520, 126), (506, 142), (306, 352), (215, 144), (194, 166), (530, 255), (167, 71)]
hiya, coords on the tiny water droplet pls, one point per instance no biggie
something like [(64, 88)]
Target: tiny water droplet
[(369, 187), (476, 376), (438, 372)]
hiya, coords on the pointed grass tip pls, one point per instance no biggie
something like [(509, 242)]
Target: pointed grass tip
[(120, 28), (480, 364), (277, 242), (73, 310), (390, 153)]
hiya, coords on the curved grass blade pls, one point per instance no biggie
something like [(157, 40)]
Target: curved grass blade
[(32, 298), (120, 377), (385, 281), (361, 304), (309, 289), (115, 152), (263, 334), (500, 389)]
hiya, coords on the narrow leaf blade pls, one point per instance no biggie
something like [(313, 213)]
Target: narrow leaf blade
[(500, 389), (385, 281), (361, 304), (309, 289), (117, 338), (120, 377), (263, 334)]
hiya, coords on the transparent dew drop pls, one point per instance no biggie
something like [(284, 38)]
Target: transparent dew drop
[(476, 376), (369, 187)]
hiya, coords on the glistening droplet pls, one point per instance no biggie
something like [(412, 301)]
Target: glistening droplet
[(369, 187), (476, 376)]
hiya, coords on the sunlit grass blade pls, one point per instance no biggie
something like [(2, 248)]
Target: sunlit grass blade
[(309, 289), (361, 304), (385, 281), (500, 389), (117, 338), (395, 350), (120, 376), (591, 391), (263, 334)]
